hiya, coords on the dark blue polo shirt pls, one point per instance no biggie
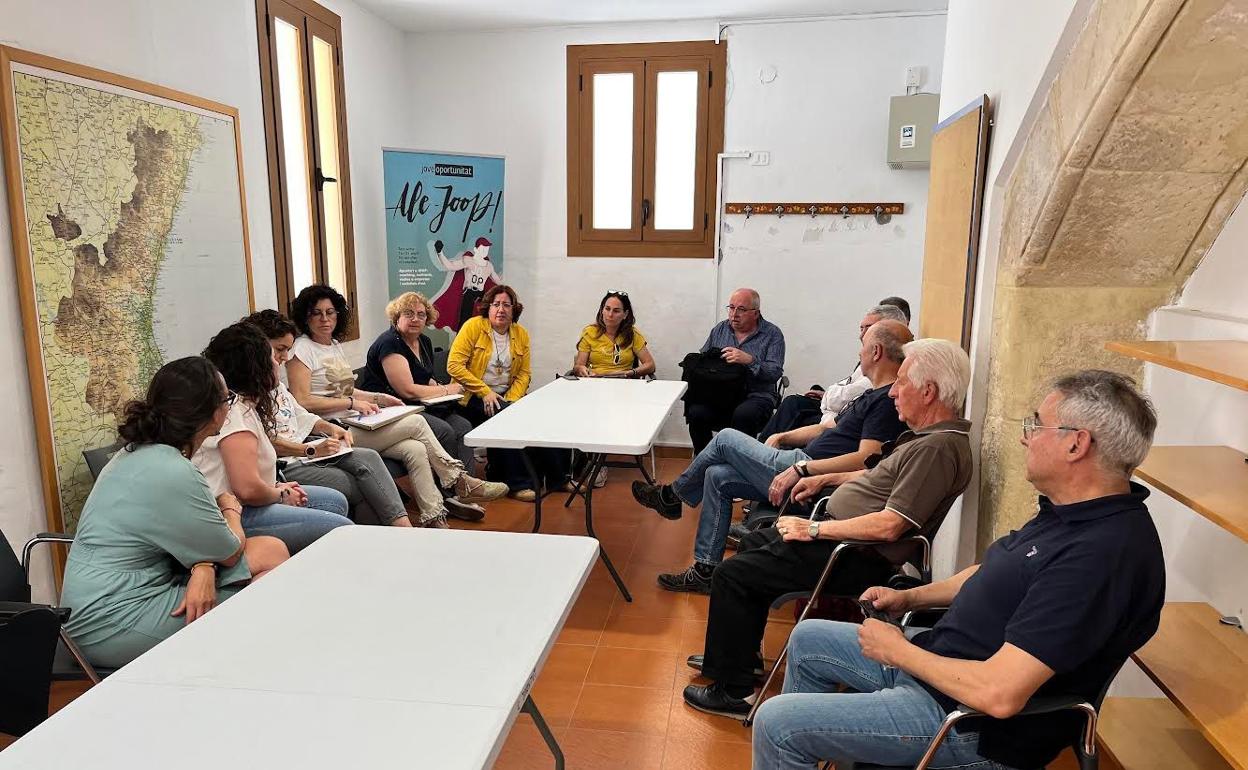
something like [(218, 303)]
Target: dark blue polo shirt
[(871, 416), (1079, 587)]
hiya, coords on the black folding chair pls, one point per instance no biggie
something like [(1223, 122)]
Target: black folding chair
[(97, 458)]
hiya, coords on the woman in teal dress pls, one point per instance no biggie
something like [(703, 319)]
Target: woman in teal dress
[(154, 551)]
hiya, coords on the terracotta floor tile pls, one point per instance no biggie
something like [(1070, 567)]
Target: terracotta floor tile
[(641, 633), (604, 750), (524, 748), (686, 723), (631, 668), (567, 663), (556, 700), (585, 622), (683, 754), (692, 638), (651, 600), (623, 709)]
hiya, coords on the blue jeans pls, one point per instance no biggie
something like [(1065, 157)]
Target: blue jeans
[(732, 465), (295, 526), (889, 720)]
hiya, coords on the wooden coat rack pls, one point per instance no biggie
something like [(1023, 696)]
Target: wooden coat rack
[(883, 212)]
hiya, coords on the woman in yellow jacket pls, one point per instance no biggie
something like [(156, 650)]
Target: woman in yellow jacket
[(491, 359)]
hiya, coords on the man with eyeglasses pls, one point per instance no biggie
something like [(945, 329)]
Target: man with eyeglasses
[(748, 339), (1054, 609)]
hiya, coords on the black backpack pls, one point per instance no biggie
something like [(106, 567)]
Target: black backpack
[(713, 381)]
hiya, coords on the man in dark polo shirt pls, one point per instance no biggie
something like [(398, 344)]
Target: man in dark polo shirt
[(909, 490), (1054, 608), (735, 465)]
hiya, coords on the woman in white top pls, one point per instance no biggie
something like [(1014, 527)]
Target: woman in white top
[(240, 459), (322, 382)]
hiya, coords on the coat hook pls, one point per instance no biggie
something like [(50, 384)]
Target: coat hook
[(748, 210), (780, 212), (813, 210), (844, 211), (882, 218)]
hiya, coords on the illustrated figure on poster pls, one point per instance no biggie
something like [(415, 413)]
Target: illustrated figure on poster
[(473, 274)]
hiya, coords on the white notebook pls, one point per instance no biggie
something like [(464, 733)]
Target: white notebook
[(441, 399), (381, 418)]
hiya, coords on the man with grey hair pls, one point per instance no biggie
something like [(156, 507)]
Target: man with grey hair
[(747, 339), (908, 491), (801, 417), (1056, 607)]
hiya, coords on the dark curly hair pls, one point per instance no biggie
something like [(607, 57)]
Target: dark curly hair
[(181, 399), (625, 335), (302, 307), (272, 324), (242, 354), (483, 304)]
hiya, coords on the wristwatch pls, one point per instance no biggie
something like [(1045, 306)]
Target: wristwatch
[(814, 530), (309, 450), (800, 466)]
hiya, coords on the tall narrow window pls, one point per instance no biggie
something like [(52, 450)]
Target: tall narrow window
[(645, 124), (306, 128)]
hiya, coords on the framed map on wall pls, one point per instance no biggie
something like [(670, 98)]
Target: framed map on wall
[(130, 236)]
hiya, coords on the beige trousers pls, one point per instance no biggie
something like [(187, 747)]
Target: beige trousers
[(411, 441)]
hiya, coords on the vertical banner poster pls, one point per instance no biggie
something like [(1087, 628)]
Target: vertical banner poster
[(444, 228)]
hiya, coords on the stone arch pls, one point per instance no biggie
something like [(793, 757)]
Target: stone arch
[(1130, 170)]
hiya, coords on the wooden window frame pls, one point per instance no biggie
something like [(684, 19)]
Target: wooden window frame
[(311, 19), (642, 240)]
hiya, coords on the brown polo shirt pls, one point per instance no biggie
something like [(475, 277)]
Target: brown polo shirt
[(922, 473)]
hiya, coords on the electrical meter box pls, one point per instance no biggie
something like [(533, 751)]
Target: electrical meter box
[(911, 120)]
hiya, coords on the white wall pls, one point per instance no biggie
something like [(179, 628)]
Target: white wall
[(823, 118), (1009, 51), (208, 49)]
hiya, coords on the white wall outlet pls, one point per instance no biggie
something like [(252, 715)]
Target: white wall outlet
[(914, 75), (760, 158)]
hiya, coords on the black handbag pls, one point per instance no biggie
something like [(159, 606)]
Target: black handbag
[(713, 381)]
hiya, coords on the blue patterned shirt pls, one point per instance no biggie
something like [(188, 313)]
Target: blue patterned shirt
[(766, 344)]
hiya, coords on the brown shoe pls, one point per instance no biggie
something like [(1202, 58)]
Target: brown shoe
[(470, 489), (523, 495)]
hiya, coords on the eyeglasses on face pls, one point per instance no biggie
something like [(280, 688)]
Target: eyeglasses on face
[(734, 309), (1032, 424), (414, 314), (501, 305), (316, 313)]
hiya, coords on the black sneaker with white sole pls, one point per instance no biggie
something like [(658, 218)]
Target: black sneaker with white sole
[(659, 498), (714, 699), (696, 579), (695, 662)]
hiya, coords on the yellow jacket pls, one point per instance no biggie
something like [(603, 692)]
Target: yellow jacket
[(471, 352)]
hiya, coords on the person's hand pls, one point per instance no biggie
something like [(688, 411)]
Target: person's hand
[(290, 493), (437, 246), (794, 528), (493, 402), (774, 442), (327, 447), (582, 371), (385, 399), (781, 484), (454, 389), (880, 641), (736, 356), (808, 487), (365, 407), (201, 594), (888, 600), (342, 434)]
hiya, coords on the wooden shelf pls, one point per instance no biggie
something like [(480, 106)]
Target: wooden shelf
[(1202, 666), (1224, 361), (1211, 480), (1151, 734)]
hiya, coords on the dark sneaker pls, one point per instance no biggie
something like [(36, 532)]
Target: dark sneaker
[(695, 662), (735, 534), (658, 497), (714, 699), (458, 509), (696, 579)]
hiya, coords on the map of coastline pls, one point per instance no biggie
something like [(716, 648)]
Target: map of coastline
[(105, 175)]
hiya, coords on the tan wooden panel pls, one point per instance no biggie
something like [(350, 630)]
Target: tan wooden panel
[(1202, 666), (1151, 734), (1211, 480), (1224, 361), (955, 191)]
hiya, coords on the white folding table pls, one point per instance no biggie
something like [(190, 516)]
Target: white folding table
[(599, 416), (350, 642)]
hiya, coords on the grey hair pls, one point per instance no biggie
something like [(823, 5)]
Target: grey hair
[(893, 344), (943, 364), (755, 299), (890, 312), (1110, 407)]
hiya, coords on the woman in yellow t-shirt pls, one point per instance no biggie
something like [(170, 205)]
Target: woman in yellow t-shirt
[(611, 346)]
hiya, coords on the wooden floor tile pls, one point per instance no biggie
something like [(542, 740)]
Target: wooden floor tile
[(623, 709)]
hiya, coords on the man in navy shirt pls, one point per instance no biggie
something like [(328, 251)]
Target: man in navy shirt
[(736, 465), (1054, 608), (748, 339)]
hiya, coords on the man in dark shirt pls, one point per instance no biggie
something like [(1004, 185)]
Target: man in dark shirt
[(1054, 608), (735, 465)]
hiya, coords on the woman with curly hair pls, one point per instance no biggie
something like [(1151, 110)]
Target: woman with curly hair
[(241, 459), (154, 551), (612, 346), (323, 383)]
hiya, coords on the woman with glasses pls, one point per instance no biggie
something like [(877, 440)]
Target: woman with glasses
[(491, 359), (154, 550), (323, 383), (611, 346), (242, 460)]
